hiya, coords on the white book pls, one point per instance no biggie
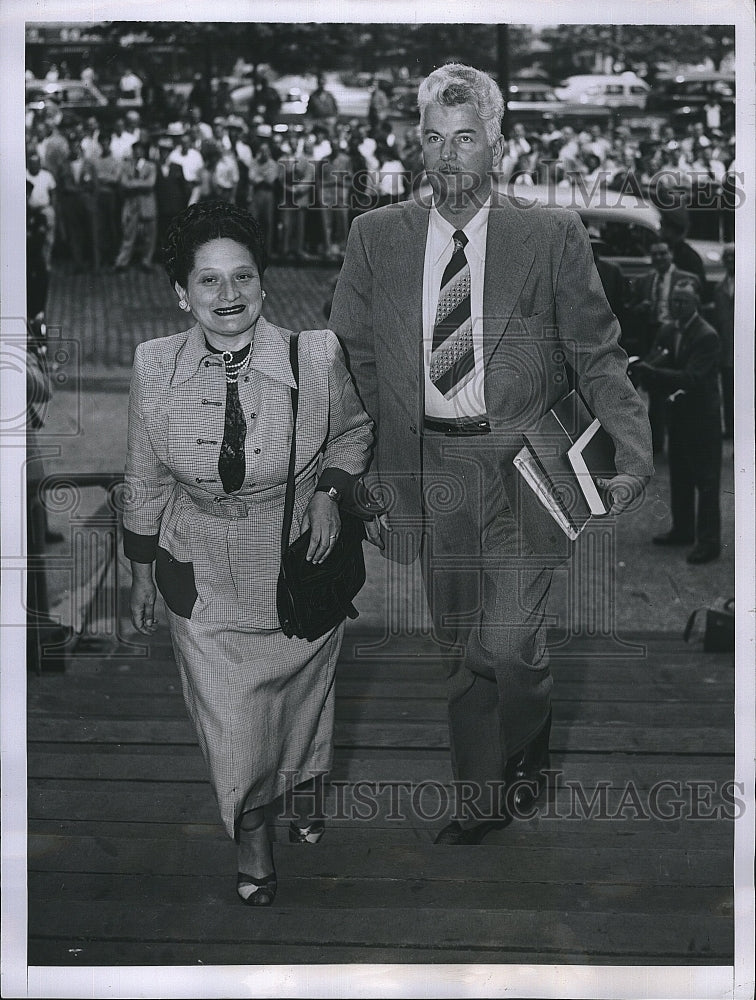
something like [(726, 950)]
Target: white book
[(531, 472), (591, 456)]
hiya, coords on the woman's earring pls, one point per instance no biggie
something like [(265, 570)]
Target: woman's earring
[(183, 304), (264, 293)]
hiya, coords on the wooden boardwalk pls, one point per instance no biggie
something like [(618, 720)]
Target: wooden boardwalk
[(128, 864)]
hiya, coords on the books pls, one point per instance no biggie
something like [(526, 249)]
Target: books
[(566, 436), (592, 458)]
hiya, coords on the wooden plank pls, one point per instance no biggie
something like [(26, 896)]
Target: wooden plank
[(686, 689), (645, 835), (501, 862), (412, 926), (617, 769), (588, 712), (342, 893), (656, 665), (429, 735), (54, 951)]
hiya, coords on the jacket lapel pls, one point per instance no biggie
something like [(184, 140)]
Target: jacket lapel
[(406, 260), (509, 259)]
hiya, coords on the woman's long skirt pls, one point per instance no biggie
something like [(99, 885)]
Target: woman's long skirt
[(262, 706)]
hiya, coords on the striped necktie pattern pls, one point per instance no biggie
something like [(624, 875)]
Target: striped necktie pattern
[(452, 361)]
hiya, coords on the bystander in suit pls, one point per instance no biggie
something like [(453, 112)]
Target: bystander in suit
[(688, 378), (649, 308), (139, 213), (724, 314)]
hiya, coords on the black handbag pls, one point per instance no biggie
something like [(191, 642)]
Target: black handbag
[(719, 627), (312, 599)]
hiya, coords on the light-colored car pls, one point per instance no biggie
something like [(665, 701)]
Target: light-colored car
[(623, 90), (624, 224), (65, 95)]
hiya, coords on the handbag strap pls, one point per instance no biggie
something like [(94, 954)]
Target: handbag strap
[(289, 502), (689, 626)]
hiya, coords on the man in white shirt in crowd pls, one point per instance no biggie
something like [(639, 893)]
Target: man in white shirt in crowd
[(121, 141), (42, 196), (189, 158)]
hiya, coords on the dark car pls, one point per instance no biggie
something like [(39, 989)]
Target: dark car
[(684, 95), (530, 100)]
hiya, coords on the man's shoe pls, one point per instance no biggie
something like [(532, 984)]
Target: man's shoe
[(672, 538), (453, 835), (523, 775), (703, 554), (523, 771)]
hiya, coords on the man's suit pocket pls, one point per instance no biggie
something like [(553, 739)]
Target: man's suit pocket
[(175, 581)]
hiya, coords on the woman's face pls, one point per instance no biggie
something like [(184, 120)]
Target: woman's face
[(224, 293)]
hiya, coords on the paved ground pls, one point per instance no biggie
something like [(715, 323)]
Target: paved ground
[(86, 430)]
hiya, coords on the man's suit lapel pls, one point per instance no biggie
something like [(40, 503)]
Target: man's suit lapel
[(509, 259), (408, 260)]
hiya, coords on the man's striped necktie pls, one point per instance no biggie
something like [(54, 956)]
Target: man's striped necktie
[(452, 362)]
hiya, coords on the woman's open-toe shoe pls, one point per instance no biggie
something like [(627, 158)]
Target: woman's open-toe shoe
[(256, 891), (306, 834)]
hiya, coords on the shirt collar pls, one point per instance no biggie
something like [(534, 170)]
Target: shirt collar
[(270, 354), (441, 232)]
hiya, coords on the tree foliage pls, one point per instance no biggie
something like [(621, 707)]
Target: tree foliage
[(574, 47)]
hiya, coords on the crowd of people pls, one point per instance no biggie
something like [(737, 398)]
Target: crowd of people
[(108, 191)]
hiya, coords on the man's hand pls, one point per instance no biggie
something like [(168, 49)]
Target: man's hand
[(623, 490), (373, 530), (323, 518)]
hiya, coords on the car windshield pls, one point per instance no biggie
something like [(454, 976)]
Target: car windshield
[(622, 239)]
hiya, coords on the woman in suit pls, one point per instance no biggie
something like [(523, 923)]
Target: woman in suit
[(209, 436)]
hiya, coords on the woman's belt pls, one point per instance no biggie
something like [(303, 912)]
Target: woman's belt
[(234, 508)]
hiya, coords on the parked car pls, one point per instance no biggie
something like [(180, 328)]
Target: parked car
[(64, 95), (352, 102), (530, 100), (625, 90), (625, 226), (684, 95)]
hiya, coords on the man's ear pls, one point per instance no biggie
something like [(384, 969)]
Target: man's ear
[(498, 150)]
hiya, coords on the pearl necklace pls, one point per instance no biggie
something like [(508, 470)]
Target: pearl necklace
[(234, 369)]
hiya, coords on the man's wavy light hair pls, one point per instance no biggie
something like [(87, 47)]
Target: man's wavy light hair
[(455, 84)]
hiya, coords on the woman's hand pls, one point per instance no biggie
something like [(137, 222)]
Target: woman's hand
[(142, 600), (323, 518)]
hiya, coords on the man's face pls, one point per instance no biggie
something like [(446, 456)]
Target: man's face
[(456, 152), (683, 304), (661, 257), (33, 164)]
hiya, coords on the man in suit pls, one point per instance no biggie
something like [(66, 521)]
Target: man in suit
[(460, 313), (724, 313), (649, 307), (688, 376), (675, 225), (139, 212)]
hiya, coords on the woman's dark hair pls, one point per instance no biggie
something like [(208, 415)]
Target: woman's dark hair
[(205, 221)]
